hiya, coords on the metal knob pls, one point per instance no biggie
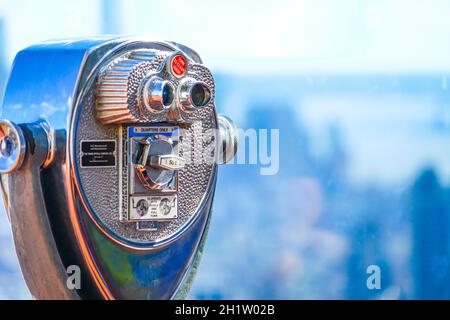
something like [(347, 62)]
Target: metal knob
[(167, 162), (156, 164), (228, 140), (12, 147)]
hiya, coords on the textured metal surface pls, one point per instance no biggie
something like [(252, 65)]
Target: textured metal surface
[(151, 274), (102, 186), (124, 76)]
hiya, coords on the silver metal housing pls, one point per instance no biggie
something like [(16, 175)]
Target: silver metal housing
[(67, 92)]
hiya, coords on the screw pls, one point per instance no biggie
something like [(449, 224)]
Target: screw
[(6, 146)]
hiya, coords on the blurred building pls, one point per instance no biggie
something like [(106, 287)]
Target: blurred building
[(431, 225)]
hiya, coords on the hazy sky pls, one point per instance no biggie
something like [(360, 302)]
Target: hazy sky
[(260, 35)]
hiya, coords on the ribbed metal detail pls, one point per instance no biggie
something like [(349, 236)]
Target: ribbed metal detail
[(113, 90)]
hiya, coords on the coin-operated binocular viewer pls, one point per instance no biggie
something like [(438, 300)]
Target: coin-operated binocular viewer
[(108, 161)]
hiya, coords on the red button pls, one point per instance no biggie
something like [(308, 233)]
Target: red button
[(179, 65)]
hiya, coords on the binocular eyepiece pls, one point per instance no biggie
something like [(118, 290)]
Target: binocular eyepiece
[(108, 163), (194, 94), (170, 90), (158, 95)]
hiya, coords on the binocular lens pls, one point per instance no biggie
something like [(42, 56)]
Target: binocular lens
[(167, 94), (200, 94), (157, 94)]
